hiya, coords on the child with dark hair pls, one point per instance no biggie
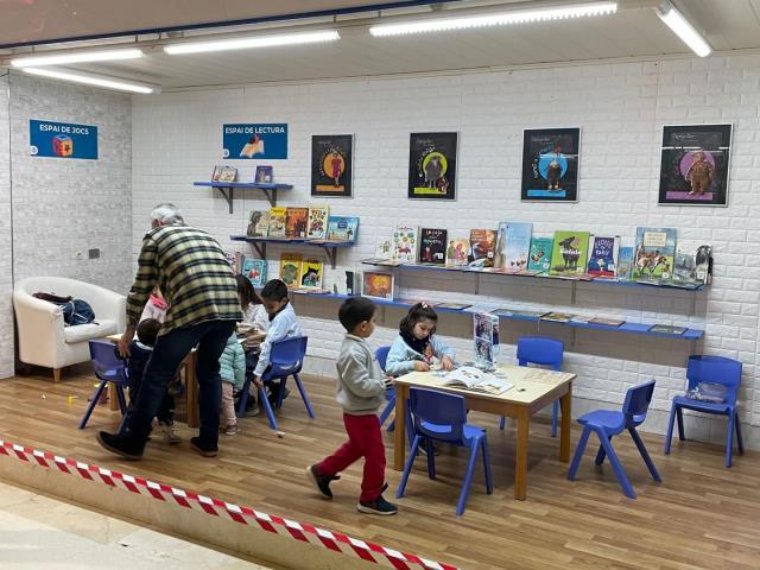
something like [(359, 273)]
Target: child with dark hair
[(140, 351), (254, 313), (361, 391), (417, 344)]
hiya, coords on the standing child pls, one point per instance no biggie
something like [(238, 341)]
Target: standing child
[(232, 371), (361, 391), (417, 344), (140, 351)]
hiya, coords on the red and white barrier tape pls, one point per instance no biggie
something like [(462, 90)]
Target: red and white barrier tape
[(303, 532)]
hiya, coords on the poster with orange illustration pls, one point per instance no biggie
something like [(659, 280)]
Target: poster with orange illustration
[(331, 165), (378, 285)]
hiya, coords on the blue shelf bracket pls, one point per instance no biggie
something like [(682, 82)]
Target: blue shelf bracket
[(228, 193), (332, 253), (261, 248), (271, 196)]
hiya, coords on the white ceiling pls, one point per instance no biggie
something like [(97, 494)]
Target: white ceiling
[(635, 31)]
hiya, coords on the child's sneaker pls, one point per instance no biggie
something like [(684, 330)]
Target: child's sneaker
[(321, 483), (170, 436), (230, 430), (377, 507)]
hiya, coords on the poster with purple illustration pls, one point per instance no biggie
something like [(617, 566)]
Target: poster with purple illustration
[(550, 165), (694, 167)]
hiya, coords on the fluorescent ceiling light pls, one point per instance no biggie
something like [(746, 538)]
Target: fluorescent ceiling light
[(253, 42), (684, 30), (81, 57), (495, 19), (95, 80)]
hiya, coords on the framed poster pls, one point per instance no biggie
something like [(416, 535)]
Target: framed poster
[(62, 140), (433, 166), (332, 165), (694, 165), (550, 165)]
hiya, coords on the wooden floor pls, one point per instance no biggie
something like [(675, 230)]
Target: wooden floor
[(702, 516)]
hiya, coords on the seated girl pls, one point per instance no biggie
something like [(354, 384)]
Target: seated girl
[(417, 344)]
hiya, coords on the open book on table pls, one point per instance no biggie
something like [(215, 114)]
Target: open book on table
[(474, 379)]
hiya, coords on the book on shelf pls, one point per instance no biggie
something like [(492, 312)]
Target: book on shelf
[(485, 336), (452, 306), (482, 308), (258, 223), (525, 314), (580, 319), (625, 263), (667, 329), (457, 250), (224, 174), (557, 317), (569, 252), (609, 321), (382, 261), (693, 265), (277, 221), (603, 256), (655, 253), (264, 174), (384, 248), (540, 255), (476, 380), (255, 270), (342, 228), (433, 246), (513, 246), (378, 285), (317, 225), (235, 259), (311, 273), (311, 291), (482, 247), (290, 268), (296, 221), (405, 243)]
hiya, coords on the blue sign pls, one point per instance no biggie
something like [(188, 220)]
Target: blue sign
[(63, 140), (255, 140)]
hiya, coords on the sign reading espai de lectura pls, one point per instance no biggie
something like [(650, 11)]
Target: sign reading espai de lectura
[(63, 140), (255, 141)]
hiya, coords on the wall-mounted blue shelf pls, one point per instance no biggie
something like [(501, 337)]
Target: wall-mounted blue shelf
[(330, 246), (227, 189), (631, 328)]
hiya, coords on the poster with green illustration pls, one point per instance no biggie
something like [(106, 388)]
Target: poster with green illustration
[(569, 252)]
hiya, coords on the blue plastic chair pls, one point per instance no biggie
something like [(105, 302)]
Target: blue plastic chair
[(108, 367), (718, 370), (381, 354), (439, 416), (286, 359), (543, 351), (608, 423)]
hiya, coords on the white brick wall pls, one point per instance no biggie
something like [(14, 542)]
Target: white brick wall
[(6, 269), (621, 108)]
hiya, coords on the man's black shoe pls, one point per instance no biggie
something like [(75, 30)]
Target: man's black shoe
[(121, 446), (204, 450), (321, 483)]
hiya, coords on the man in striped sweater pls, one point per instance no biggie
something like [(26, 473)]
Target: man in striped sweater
[(191, 270)]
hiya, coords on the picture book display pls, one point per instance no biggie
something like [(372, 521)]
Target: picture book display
[(485, 333), (569, 252), (290, 268), (476, 380), (224, 174), (603, 256), (457, 251), (277, 220), (311, 273), (258, 223), (404, 243), (540, 256), (255, 270), (296, 221), (518, 246), (264, 175), (342, 228), (693, 265), (655, 252), (317, 225), (625, 262), (378, 285), (432, 166), (433, 246), (331, 165), (482, 248)]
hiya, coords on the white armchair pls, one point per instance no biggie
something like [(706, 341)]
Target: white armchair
[(42, 338)]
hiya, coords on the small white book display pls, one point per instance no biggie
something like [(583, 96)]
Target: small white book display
[(475, 380)]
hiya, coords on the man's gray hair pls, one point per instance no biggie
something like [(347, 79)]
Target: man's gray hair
[(167, 214)]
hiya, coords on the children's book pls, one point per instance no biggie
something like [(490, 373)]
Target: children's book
[(581, 319), (476, 380), (540, 256), (290, 268), (667, 329), (693, 265), (569, 252), (625, 263), (433, 246), (557, 317), (452, 306), (378, 285), (485, 333), (527, 314), (609, 321), (457, 251), (277, 219), (235, 259), (404, 243), (296, 221), (342, 228), (317, 226), (256, 270), (258, 223), (518, 246), (264, 175), (310, 276), (384, 249), (224, 174), (482, 248), (654, 256), (603, 256)]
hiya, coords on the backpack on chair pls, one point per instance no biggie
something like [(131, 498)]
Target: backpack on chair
[(75, 311)]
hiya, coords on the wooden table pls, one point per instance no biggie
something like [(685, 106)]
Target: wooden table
[(533, 389)]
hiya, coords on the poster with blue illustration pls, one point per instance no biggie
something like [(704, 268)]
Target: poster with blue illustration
[(258, 141), (62, 140), (550, 165)]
